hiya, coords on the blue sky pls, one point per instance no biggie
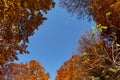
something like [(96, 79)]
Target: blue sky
[(56, 40)]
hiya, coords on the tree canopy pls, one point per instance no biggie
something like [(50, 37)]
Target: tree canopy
[(95, 60), (98, 55), (104, 13), (102, 54), (18, 20), (32, 70)]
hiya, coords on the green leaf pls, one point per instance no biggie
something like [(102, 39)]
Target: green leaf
[(85, 54), (100, 27), (93, 30), (118, 45), (104, 27), (108, 14), (112, 69)]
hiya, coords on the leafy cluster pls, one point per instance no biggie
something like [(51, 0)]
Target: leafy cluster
[(98, 56), (96, 61), (32, 70), (101, 54), (18, 20), (105, 12)]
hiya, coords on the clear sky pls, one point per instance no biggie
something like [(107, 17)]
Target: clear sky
[(56, 40)]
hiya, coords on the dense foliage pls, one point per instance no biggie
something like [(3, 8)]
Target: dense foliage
[(18, 20), (32, 70), (102, 54), (96, 61), (105, 13), (98, 56)]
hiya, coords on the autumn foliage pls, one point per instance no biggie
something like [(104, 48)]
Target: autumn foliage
[(96, 61), (104, 13), (102, 54), (98, 53), (18, 20), (32, 70)]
